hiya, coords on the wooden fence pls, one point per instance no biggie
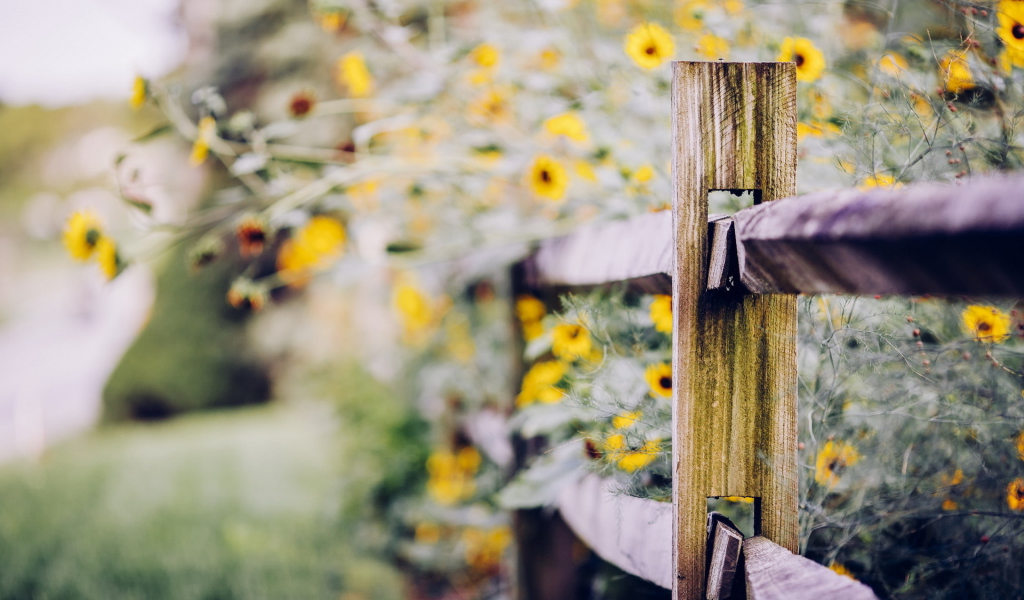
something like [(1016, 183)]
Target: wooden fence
[(733, 282)]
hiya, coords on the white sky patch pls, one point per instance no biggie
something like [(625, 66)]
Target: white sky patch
[(60, 52)]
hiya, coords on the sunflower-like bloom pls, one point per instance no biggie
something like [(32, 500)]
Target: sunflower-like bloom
[(618, 450), (892, 64), (1010, 14), (205, 133), (810, 62), (832, 460), (530, 312), (661, 313), (547, 177), (626, 419), (82, 233), (879, 180), (711, 46), (659, 379), (252, 235), (140, 91), (689, 14), (107, 257), (986, 323), (492, 106), (956, 72), (570, 341), (649, 45), (314, 247), (1015, 494), (412, 307), (569, 125), (451, 475), (539, 383), (353, 74), (486, 55), (485, 548)]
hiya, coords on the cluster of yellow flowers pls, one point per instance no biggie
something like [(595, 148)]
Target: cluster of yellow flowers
[(629, 457), (530, 311), (452, 475), (84, 239), (315, 246)]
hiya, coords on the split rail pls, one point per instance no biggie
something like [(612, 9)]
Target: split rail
[(734, 281)]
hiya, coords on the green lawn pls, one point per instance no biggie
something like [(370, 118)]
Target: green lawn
[(230, 505)]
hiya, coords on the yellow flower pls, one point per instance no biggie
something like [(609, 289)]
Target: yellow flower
[(316, 246), (840, 570), (880, 180), (451, 476), (810, 62), (740, 499), (484, 549), (106, 256), (539, 383), (986, 323), (486, 55), (81, 235), (832, 460), (570, 341), (1010, 58), (818, 129), (955, 72), (955, 479), (892, 64), (549, 59), (585, 171), (332, 21), (1015, 494), (530, 311), (659, 378), (568, 124), (690, 14), (644, 174), (140, 90), (626, 419), (629, 459), (950, 504), (1010, 14), (427, 533), (206, 131), (490, 107), (733, 7), (413, 308), (353, 74), (710, 46), (547, 177), (1020, 444), (649, 45), (661, 313)]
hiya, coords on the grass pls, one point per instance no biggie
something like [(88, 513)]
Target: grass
[(217, 506)]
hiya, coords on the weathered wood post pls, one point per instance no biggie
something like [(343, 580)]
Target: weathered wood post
[(734, 364)]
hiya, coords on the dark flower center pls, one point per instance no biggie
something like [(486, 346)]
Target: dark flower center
[(665, 382), (1017, 31), (799, 60), (983, 326), (836, 467), (574, 331), (651, 49), (92, 237), (546, 178)]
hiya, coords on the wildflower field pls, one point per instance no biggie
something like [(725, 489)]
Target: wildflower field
[(399, 156)]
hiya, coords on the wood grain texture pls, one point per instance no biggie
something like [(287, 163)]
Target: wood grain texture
[(774, 573), (734, 363), (924, 239), (633, 534), (725, 545)]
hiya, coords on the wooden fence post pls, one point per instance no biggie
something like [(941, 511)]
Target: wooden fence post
[(734, 364)]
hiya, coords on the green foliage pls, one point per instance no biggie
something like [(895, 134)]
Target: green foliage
[(192, 354), (210, 507)]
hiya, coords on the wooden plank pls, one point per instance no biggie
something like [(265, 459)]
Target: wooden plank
[(633, 534), (734, 364), (606, 252), (723, 271), (725, 544), (774, 573), (924, 239)]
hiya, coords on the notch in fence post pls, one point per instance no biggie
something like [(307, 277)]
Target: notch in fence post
[(734, 363)]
